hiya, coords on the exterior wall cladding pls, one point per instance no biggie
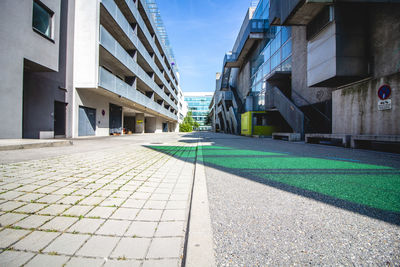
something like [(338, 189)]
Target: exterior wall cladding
[(85, 67), (319, 65)]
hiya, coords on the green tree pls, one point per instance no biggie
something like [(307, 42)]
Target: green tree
[(188, 123)]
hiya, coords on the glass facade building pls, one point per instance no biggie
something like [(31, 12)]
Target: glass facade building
[(274, 56), (198, 104)]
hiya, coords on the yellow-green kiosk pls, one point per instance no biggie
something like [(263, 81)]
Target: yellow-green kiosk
[(256, 123)]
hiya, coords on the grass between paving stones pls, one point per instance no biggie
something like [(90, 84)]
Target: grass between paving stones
[(155, 160)]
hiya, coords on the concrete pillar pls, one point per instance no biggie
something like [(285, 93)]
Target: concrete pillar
[(139, 127), (150, 126)]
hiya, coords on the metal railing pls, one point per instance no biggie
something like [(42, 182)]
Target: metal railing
[(157, 28), (112, 46), (115, 12), (113, 84), (253, 26), (142, 25), (274, 98)]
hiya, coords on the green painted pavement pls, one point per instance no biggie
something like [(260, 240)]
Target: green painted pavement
[(287, 163), (377, 191)]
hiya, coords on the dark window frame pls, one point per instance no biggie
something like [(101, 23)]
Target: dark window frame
[(325, 17), (51, 20)]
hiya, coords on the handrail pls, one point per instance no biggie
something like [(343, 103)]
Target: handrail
[(312, 105), (292, 114)]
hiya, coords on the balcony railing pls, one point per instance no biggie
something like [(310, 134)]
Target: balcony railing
[(142, 25), (113, 84), (112, 46), (253, 26), (115, 12), (224, 96)]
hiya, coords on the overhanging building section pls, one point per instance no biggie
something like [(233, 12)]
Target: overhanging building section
[(254, 30)]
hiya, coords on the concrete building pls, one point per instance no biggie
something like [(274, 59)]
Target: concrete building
[(124, 75), (34, 53), (352, 48), (198, 103), (86, 67), (312, 67), (256, 82)]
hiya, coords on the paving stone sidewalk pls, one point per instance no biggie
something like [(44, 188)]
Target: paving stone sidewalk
[(115, 207)]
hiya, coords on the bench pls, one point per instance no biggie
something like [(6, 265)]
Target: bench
[(359, 140), (315, 138), (291, 137)]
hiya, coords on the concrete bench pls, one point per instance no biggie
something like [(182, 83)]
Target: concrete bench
[(291, 137), (317, 137), (357, 140)]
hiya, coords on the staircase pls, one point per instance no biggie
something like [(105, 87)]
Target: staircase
[(275, 99)]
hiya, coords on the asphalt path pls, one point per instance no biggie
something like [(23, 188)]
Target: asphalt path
[(275, 203)]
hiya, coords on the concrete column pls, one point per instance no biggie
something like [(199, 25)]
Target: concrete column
[(150, 126), (139, 127)]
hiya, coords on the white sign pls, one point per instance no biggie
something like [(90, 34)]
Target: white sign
[(384, 104)]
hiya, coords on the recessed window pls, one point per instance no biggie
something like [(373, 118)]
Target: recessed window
[(42, 19)]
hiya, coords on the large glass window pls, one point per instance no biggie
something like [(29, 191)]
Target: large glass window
[(42, 19)]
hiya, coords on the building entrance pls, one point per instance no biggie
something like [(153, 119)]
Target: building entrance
[(59, 118), (115, 119)]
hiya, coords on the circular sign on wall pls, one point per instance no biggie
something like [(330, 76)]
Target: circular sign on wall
[(103, 112), (384, 92)]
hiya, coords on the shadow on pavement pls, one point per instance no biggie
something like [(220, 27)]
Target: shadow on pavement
[(367, 189)]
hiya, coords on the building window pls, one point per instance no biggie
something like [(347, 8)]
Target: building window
[(42, 19), (320, 22)]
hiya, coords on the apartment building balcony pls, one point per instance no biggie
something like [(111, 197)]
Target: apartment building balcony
[(132, 14), (115, 20), (154, 27), (254, 31), (115, 85), (115, 56)]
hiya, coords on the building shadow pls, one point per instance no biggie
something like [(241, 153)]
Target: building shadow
[(367, 189)]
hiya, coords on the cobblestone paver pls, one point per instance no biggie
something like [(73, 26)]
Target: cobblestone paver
[(123, 206)]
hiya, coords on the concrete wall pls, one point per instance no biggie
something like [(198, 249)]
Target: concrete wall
[(243, 80), (299, 74), (41, 89), (385, 39), (19, 41), (40, 92), (86, 46), (355, 108)]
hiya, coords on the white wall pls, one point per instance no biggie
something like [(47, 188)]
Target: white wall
[(19, 41), (86, 47)]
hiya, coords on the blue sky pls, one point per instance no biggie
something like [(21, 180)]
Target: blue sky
[(200, 33)]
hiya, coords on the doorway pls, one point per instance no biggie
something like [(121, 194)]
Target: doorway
[(165, 127), (87, 121), (59, 118), (115, 119)]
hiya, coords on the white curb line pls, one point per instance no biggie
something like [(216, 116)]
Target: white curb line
[(200, 251)]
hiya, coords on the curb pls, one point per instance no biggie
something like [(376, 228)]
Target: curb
[(36, 145), (199, 250)]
